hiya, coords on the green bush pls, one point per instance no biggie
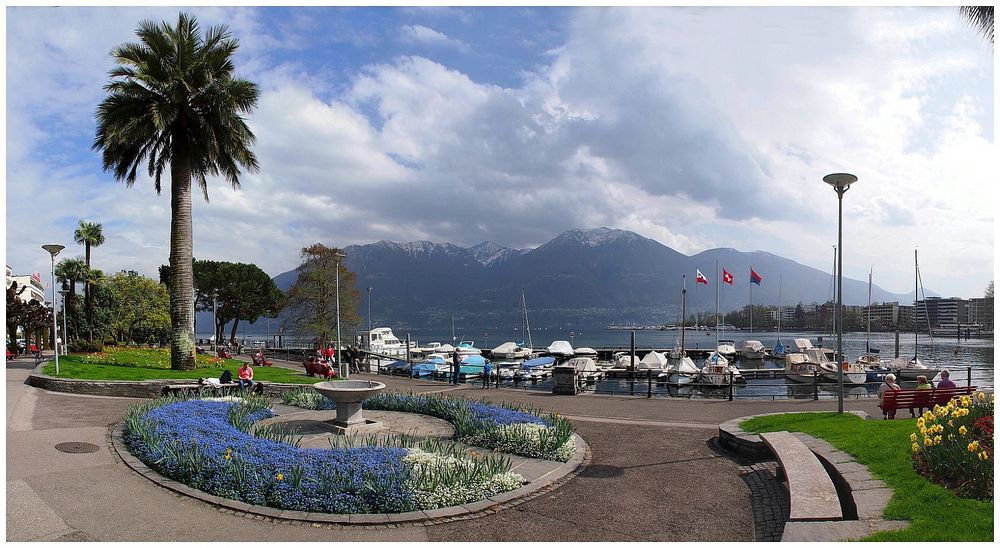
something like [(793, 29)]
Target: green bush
[(110, 341), (83, 346)]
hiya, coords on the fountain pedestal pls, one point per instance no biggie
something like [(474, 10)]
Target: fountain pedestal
[(348, 396)]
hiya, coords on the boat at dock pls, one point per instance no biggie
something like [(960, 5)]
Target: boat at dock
[(683, 371), (380, 340), (585, 352), (653, 360), (468, 348), (561, 349), (727, 348), (586, 369), (511, 350), (753, 350), (800, 368), (717, 371)]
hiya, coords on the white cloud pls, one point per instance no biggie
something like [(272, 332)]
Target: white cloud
[(419, 34)]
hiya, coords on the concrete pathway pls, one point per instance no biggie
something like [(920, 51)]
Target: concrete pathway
[(653, 476)]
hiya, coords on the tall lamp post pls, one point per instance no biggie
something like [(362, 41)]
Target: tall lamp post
[(339, 255), (840, 183), (369, 310), (54, 250), (62, 293)]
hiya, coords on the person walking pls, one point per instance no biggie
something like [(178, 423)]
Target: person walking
[(456, 363), (487, 369)]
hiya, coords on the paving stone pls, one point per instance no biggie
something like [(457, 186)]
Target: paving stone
[(858, 476), (836, 457), (867, 484), (848, 467), (825, 531), (374, 519), (418, 515), (871, 502)]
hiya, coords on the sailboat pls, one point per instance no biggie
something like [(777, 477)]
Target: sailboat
[(511, 350), (717, 370), (910, 370), (779, 350), (870, 361), (682, 370)]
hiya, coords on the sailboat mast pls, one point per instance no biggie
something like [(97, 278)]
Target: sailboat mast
[(779, 307), (524, 308), (684, 289), (916, 275), (868, 339)]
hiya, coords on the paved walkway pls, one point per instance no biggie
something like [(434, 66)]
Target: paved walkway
[(653, 476)]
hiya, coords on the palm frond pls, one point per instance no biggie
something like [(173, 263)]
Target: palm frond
[(980, 17)]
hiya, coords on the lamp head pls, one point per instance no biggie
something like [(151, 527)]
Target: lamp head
[(840, 181), (53, 249)]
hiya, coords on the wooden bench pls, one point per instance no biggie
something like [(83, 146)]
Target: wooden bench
[(910, 398), (228, 388), (811, 492)]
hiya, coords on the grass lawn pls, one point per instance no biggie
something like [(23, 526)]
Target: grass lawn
[(142, 365), (935, 513)]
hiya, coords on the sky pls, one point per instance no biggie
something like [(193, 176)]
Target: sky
[(697, 127)]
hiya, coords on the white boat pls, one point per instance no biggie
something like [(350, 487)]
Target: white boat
[(727, 348), (561, 349), (585, 352), (717, 371), (826, 360), (446, 349), (653, 360), (909, 369), (586, 368), (753, 350), (431, 347), (800, 368), (380, 340), (624, 360), (800, 345), (510, 350), (684, 371), (468, 348)]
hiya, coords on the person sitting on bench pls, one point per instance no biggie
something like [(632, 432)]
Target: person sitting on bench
[(226, 377), (887, 386), (245, 376), (922, 384)]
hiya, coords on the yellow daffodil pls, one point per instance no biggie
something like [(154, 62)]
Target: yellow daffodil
[(963, 430), (227, 457), (937, 440), (951, 423), (915, 447), (280, 477), (951, 437), (928, 416), (923, 431), (973, 447), (920, 422), (984, 456), (980, 396), (913, 437), (928, 442), (965, 402)]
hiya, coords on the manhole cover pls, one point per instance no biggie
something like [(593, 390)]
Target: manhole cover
[(76, 447)]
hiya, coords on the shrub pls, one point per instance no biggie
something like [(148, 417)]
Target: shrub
[(953, 445), (215, 445), (82, 345), (110, 341)]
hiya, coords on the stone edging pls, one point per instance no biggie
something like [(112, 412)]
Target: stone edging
[(125, 389), (869, 495), (581, 457)]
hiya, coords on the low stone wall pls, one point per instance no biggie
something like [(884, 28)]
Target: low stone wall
[(126, 389), (750, 446)]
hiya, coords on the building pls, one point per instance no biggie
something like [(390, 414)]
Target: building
[(939, 311), (32, 282), (980, 312), (889, 315)]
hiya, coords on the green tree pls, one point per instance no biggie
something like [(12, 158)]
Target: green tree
[(173, 98), (137, 307), (989, 291), (89, 235), (72, 271), (310, 305)]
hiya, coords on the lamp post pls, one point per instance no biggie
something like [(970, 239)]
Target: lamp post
[(369, 310), (840, 183), (338, 255), (215, 323), (62, 293), (54, 250)]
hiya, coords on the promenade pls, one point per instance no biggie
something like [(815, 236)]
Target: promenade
[(653, 476)]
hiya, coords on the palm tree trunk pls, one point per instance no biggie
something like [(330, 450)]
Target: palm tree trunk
[(87, 298), (182, 348)]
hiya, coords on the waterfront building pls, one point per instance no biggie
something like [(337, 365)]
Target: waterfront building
[(33, 282), (937, 311), (979, 311)]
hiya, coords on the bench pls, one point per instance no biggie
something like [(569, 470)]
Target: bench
[(258, 388), (910, 398), (811, 492)]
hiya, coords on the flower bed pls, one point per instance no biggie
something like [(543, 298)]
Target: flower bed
[(953, 446), (514, 429), (216, 446)]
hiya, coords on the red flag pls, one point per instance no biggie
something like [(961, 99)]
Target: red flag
[(700, 278), (727, 277), (754, 277)]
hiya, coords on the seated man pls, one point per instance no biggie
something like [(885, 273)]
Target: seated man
[(945, 381), (245, 376)]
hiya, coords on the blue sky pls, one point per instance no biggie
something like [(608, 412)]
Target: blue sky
[(697, 127)]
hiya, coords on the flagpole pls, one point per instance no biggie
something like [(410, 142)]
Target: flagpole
[(751, 303), (717, 291)]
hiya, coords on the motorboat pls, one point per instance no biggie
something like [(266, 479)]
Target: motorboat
[(473, 360), (398, 366), (717, 371), (586, 368), (585, 352), (826, 361), (909, 370), (683, 371), (511, 350), (467, 348), (624, 360), (446, 349), (380, 340), (538, 363), (430, 348), (800, 345), (653, 360), (753, 350), (727, 348), (425, 368), (800, 368), (561, 349)]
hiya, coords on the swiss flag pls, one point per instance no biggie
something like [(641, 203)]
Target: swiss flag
[(700, 278), (727, 277)]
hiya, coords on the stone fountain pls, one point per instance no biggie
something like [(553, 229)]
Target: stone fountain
[(348, 395)]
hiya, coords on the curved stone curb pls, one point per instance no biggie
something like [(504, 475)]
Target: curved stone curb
[(545, 483), (125, 389), (870, 495)]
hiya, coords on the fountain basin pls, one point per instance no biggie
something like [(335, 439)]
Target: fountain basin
[(348, 395)]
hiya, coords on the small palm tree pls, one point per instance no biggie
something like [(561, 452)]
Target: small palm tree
[(980, 17), (71, 271), (173, 99), (89, 235)]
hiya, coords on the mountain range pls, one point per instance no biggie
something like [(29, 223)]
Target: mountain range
[(581, 277)]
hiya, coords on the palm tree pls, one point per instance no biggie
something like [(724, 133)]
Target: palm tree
[(71, 271), (88, 235), (173, 99), (980, 17)]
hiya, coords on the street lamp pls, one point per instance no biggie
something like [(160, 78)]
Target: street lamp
[(54, 250), (338, 255), (62, 293), (840, 183), (369, 309)]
